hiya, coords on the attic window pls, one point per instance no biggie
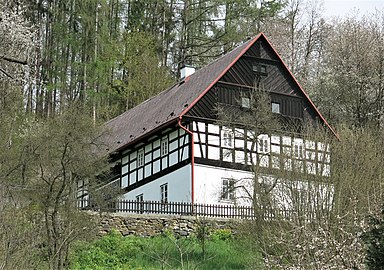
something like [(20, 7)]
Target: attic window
[(275, 107), (259, 68), (246, 102)]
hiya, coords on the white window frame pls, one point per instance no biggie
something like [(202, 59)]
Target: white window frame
[(164, 147), (298, 151), (246, 102), (140, 203), (263, 145), (276, 107), (227, 189), (164, 193), (140, 158), (227, 138)]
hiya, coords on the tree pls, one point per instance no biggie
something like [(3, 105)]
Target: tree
[(61, 156), (141, 76), (349, 85), (331, 240)]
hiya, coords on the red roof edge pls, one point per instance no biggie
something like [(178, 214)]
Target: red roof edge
[(301, 89), (221, 74), (285, 66)]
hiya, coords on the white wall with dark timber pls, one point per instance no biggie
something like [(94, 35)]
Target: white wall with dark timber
[(239, 146), (179, 187), (160, 152)]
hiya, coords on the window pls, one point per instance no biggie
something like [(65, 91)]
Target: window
[(227, 138), (164, 147), (140, 197), (298, 151), (228, 189), (140, 203), (140, 158), (275, 107), (164, 193), (263, 145), (259, 68), (246, 102)]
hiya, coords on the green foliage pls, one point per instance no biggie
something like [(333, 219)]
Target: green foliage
[(114, 251), (374, 240), (110, 252), (222, 234)]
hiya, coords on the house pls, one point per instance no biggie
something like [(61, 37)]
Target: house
[(171, 147)]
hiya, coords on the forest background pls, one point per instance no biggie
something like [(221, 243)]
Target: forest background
[(111, 55), (68, 65)]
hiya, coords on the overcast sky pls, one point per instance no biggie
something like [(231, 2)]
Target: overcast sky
[(345, 7)]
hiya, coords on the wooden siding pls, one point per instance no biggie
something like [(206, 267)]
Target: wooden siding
[(240, 79)]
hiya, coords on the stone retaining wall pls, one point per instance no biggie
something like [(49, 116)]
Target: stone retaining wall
[(152, 225)]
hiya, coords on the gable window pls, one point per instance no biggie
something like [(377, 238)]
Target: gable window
[(275, 107), (227, 138), (164, 193), (246, 102), (228, 189), (164, 147), (259, 68), (140, 158)]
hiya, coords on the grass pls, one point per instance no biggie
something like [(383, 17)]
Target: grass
[(114, 251)]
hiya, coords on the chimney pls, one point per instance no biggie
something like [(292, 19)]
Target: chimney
[(186, 71)]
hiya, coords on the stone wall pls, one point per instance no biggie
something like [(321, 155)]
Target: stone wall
[(152, 225)]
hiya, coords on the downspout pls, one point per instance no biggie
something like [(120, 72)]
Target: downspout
[(192, 159)]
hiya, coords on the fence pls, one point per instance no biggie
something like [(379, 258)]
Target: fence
[(183, 209)]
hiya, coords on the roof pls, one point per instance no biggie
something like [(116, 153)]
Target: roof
[(173, 103)]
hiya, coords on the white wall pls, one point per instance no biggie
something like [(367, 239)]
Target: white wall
[(286, 194), (208, 183), (179, 187)]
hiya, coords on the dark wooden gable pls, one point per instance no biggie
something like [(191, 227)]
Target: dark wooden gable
[(260, 65)]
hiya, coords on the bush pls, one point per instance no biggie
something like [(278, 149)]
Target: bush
[(221, 234)]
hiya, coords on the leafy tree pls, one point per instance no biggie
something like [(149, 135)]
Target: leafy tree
[(61, 156), (349, 85), (141, 76)]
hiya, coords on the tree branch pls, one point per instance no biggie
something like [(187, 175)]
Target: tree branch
[(13, 60), (6, 74)]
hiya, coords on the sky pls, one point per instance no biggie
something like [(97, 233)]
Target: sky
[(346, 7)]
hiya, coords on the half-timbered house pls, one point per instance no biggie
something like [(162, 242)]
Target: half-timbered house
[(172, 148)]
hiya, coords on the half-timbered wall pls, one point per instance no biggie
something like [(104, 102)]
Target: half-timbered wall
[(158, 155), (231, 147)]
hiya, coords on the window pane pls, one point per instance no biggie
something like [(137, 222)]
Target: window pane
[(164, 147), (275, 107), (245, 103)]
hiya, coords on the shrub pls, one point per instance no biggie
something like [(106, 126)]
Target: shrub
[(221, 234)]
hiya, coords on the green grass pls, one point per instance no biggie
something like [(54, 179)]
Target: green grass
[(114, 251)]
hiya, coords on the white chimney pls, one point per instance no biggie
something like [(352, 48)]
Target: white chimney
[(186, 71)]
